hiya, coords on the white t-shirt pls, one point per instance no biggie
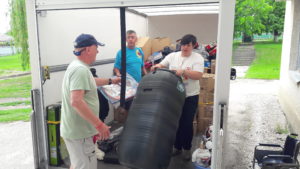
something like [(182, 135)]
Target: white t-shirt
[(194, 62)]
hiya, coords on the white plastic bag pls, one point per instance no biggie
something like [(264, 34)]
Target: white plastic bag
[(113, 92), (201, 157)]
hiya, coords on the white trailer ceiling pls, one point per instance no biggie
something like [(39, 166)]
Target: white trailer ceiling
[(210, 8), (73, 4)]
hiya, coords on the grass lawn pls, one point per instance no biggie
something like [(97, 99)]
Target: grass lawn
[(15, 103), (14, 115), (10, 63), (18, 87), (267, 62), (15, 87)]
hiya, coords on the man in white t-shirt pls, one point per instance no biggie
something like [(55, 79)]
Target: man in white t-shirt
[(189, 65)]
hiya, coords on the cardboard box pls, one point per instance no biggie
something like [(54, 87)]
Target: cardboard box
[(120, 115), (206, 98), (145, 44), (159, 43), (203, 124), (207, 83), (205, 111), (213, 66), (201, 98), (173, 46), (206, 70)]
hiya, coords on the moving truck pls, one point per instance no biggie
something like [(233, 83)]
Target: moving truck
[(54, 24)]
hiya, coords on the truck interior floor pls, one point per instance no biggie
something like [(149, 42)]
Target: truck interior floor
[(176, 162)]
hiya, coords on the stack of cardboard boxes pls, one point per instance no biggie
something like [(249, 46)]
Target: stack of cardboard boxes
[(204, 116), (149, 46), (145, 44), (213, 66)]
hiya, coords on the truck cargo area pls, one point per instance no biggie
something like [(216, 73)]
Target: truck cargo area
[(53, 26)]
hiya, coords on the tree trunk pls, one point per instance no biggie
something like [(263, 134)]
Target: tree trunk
[(247, 38), (275, 34)]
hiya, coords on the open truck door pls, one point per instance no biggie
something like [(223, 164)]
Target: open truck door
[(221, 100), (52, 27)]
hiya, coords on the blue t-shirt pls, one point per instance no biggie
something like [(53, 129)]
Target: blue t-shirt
[(134, 62)]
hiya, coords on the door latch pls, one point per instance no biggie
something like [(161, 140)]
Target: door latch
[(222, 107)]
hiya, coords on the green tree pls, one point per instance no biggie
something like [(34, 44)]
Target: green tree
[(19, 30), (249, 16), (275, 21)]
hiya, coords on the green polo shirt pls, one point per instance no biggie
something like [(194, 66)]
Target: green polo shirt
[(78, 77)]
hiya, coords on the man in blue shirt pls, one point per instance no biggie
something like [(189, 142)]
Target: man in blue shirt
[(134, 58)]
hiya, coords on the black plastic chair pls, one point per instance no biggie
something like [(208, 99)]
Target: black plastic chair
[(282, 158)]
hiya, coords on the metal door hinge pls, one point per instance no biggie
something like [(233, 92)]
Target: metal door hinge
[(46, 73)]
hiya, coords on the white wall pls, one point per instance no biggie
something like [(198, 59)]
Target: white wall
[(137, 23), (203, 26), (289, 92), (59, 29)]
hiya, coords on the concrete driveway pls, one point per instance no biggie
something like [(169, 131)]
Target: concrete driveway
[(16, 146), (255, 116)]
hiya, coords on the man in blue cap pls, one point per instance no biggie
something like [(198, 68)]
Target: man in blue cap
[(80, 105)]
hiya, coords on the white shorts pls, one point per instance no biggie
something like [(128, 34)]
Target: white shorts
[(82, 153)]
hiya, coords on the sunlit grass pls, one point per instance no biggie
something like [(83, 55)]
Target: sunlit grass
[(15, 87), (15, 115), (10, 64), (17, 103), (267, 62)]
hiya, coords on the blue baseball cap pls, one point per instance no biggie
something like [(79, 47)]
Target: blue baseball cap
[(85, 40)]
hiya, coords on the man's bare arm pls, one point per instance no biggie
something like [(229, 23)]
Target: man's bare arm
[(81, 107), (117, 72), (190, 74), (103, 81), (144, 70), (157, 66)]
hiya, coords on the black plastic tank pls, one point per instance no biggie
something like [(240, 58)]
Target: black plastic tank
[(150, 130)]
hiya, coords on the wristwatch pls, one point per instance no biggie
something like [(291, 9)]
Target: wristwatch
[(109, 81)]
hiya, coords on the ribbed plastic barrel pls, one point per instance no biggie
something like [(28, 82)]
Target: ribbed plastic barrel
[(150, 130)]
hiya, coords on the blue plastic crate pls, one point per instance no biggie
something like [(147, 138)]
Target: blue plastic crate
[(199, 167), (207, 64)]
